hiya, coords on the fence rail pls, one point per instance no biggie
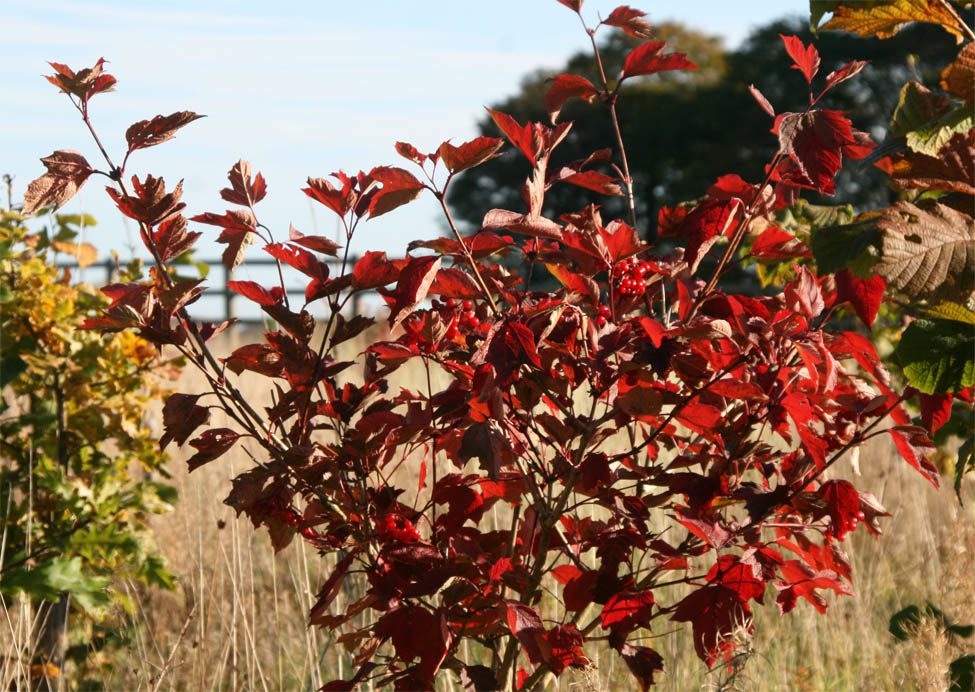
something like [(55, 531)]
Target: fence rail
[(225, 297)]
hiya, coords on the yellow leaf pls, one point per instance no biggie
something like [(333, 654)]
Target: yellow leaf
[(886, 19), (85, 253)]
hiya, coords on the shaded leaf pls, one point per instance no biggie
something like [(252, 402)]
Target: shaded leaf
[(937, 355)]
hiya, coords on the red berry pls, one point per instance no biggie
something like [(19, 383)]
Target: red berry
[(450, 303), (467, 305), (600, 321)]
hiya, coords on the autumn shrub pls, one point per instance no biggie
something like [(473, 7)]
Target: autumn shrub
[(638, 448), (81, 472)]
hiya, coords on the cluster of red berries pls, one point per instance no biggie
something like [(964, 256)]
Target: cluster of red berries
[(631, 276), (466, 321), (602, 317), (398, 528)]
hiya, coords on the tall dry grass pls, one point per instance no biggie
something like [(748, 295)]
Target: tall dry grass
[(236, 620)]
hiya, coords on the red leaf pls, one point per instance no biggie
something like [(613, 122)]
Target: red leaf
[(564, 87), (260, 358), (537, 226), (338, 199), (702, 227), (300, 259), (627, 610), (563, 574), (814, 144), (700, 417), (848, 70), (149, 203), (912, 444), (865, 295), (469, 154), (578, 592), (843, 504), (314, 242), (149, 133), (564, 648), (410, 152), (762, 101), (801, 581), (374, 269), (257, 293), (522, 136), (67, 171), (399, 187), (574, 5), (714, 613), (171, 238), (736, 389), (630, 21), (453, 282), (643, 663), (243, 190), (330, 589), (709, 531), (806, 58), (526, 625), (210, 445), (592, 180), (181, 416), (85, 83), (738, 576), (646, 59), (521, 343), (776, 244), (417, 633), (935, 410), (414, 282)]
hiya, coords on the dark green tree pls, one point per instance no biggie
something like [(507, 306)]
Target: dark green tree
[(730, 131)]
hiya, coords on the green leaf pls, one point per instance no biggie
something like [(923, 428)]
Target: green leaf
[(853, 245), (947, 310), (917, 107), (937, 356), (929, 138), (50, 579)]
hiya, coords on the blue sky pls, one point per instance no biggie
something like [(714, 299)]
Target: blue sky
[(297, 88)]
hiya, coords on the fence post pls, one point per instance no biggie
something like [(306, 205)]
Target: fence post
[(228, 296)]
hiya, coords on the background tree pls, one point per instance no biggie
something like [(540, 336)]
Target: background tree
[(730, 130)]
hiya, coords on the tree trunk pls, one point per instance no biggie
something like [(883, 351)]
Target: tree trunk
[(51, 645)]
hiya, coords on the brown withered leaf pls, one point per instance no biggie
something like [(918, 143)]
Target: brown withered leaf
[(953, 169), (922, 250), (149, 133), (959, 77), (67, 171)]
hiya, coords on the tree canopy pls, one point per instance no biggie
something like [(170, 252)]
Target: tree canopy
[(658, 111)]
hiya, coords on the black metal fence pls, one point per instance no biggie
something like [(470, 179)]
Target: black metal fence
[(218, 302)]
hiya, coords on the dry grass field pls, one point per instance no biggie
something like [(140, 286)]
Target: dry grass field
[(236, 620)]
